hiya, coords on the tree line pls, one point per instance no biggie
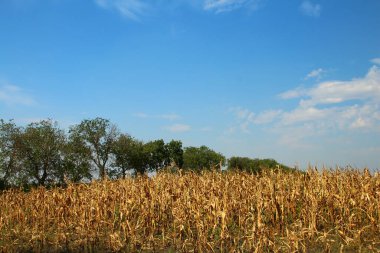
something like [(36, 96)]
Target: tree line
[(42, 154)]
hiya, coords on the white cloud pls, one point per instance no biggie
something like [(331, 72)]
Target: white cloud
[(360, 123), (304, 114), (241, 113), (244, 118), (334, 92), (346, 104), (316, 73), (14, 95), (352, 105), (178, 128), (310, 9), (229, 5), (376, 61), (267, 116), (134, 9), (298, 92), (131, 9)]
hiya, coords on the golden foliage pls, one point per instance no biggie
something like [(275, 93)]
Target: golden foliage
[(335, 210)]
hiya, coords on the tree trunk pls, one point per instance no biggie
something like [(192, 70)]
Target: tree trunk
[(102, 172)]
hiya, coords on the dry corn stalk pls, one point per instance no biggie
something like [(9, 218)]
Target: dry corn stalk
[(331, 210)]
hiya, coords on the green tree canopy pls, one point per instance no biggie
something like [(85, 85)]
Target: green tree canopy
[(98, 136), (77, 160), (43, 154), (202, 158), (254, 165), (9, 162), (128, 155), (157, 155), (40, 151), (151, 156), (175, 153)]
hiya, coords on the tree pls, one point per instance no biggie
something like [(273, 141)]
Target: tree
[(98, 136), (151, 156), (126, 150), (41, 151), (9, 162), (202, 158), (175, 153), (138, 158), (77, 161), (254, 165), (243, 164), (157, 155)]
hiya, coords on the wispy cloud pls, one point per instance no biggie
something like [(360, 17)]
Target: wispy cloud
[(169, 116), (266, 117), (131, 9), (352, 105), (298, 92), (178, 128), (135, 9), (245, 118), (229, 5), (14, 95), (376, 61), (315, 74), (310, 9)]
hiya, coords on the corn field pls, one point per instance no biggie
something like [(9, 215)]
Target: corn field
[(315, 211)]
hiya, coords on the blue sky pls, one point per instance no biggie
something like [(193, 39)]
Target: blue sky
[(298, 81)]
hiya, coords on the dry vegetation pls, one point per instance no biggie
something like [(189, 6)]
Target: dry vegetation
[(214, 212)]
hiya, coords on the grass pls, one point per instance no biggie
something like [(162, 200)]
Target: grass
[(331, 210)]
